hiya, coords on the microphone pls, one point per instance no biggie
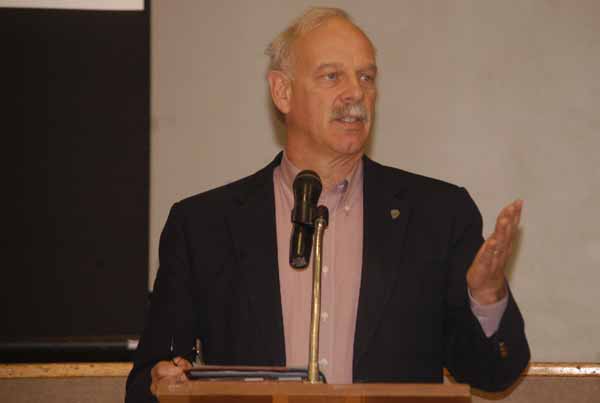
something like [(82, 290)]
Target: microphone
[(307, 189)]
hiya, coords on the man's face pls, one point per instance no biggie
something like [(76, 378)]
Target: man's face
[(333, 90)]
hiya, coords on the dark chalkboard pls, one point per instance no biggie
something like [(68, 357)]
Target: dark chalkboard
[(75, 128)]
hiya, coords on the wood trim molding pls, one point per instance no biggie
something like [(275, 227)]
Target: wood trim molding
[(121, 369), (65, 370), (563, 369)]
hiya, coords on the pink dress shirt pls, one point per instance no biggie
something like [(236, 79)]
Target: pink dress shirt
[(342, 264)]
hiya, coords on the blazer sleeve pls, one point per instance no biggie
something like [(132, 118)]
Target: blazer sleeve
[(169, 329), (493, 363)]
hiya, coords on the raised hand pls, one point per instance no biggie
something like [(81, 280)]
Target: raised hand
[(485, 277)]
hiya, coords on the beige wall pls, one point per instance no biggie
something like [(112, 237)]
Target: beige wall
[(502, 97)]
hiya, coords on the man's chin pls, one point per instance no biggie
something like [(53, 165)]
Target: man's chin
[(351, 141), (349, 148)]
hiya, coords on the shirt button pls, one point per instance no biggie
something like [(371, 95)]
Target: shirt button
[(347, 208), (325, 269), (324, 316), (323, 362)]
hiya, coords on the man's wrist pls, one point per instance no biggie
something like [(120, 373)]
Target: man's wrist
[(489, 296)]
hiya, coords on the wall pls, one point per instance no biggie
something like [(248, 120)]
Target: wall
[(501, 97)]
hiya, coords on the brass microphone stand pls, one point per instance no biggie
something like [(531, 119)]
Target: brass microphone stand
[(321, 222)]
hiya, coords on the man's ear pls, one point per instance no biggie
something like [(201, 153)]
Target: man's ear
[(281, 90)]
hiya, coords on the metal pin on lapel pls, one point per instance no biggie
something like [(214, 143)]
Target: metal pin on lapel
[(395, 213)]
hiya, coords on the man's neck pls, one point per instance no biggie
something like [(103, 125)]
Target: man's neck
[(331, 169)]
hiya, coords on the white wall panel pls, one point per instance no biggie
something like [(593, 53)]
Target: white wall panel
[(502, 97)]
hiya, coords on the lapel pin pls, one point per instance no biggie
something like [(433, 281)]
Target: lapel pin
[(395, 213)]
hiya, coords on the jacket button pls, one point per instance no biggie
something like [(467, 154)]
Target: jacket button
[(503, 349)]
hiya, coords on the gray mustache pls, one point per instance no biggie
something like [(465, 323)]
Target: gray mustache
[(357, 110)]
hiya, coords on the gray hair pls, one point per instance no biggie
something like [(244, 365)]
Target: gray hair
[(279, 50)]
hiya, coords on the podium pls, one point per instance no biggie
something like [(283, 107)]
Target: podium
[(299, 392)]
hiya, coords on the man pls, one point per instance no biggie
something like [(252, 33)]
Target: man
[(410, 286)]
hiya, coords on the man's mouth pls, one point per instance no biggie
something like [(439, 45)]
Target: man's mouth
[(351, 114), (351, 119)]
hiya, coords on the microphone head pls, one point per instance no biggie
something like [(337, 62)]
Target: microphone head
[(307, 190)]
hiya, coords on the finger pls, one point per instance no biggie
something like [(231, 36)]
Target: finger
[(499, 253), (509, 246), (503, 246), (511, 241), (501, 232), (155, 372), (182, 378), (165, 369), (507, 235), (517, 219), (511, 233), (497, 265), (514, 226), (496, 258), (498, 222), (181, 363), (502, 251), (512, 211), (505, 228), (487, 252), (505, 217), (519, 212), (508, 210)]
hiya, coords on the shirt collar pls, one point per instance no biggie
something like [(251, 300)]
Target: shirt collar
[(349, 186)]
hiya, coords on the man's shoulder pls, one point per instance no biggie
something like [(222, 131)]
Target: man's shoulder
[(233, 193), (393, 177), (433, 198)]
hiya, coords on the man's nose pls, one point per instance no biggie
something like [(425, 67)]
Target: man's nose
[(354, 91)]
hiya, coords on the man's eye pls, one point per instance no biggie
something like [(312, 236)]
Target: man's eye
[(367, 78), (331, 76)]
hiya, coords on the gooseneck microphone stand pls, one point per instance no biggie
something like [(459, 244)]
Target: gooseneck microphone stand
[(321, 221)]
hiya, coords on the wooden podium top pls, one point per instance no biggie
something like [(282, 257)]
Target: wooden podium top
[(296, 392)]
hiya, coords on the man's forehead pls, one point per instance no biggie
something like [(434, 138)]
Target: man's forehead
[(334, 39), (336, 65)]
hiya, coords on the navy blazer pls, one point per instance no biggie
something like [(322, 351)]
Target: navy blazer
[(218, 280)]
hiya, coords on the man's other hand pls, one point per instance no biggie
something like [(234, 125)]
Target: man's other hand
[(169, 372), (485, 277)]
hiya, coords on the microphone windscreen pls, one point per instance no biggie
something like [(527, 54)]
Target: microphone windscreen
[(307, 189)]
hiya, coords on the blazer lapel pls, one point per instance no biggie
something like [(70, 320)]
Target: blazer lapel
[(385, 217), (255, 239)]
